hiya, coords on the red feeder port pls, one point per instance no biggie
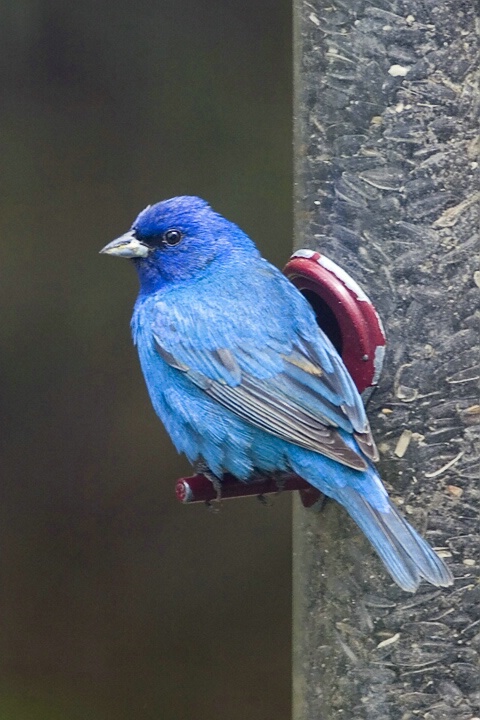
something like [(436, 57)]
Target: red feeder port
[(343, 312), (351, 322)]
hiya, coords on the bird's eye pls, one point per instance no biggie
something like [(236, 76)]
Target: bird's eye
[(172, 237)]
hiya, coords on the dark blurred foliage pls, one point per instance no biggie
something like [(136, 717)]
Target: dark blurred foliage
[(115, 601)]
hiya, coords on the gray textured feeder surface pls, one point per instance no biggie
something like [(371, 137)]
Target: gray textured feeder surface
[(387, 146)]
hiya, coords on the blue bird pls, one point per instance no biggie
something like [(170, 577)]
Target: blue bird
[(245, 381)]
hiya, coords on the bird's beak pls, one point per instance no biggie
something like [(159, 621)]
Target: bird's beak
[(127, 246)]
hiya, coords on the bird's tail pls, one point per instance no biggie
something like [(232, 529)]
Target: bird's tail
[(407, 556)]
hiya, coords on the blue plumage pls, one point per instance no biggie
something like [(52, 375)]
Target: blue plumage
[(245, 381)]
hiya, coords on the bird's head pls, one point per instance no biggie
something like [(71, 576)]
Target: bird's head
[(176, 240)]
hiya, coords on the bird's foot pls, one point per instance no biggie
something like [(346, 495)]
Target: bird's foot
[(203, 469)]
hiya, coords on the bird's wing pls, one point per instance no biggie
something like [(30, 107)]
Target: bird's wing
[(296, 389)]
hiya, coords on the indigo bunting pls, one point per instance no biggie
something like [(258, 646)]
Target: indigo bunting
[(246, 382)]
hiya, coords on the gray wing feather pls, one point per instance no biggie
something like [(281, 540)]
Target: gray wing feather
[(261, 403)]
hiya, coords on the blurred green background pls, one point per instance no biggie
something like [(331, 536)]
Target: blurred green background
[(116, 602)]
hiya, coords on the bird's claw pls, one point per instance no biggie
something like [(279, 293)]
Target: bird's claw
[(203, 469)]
